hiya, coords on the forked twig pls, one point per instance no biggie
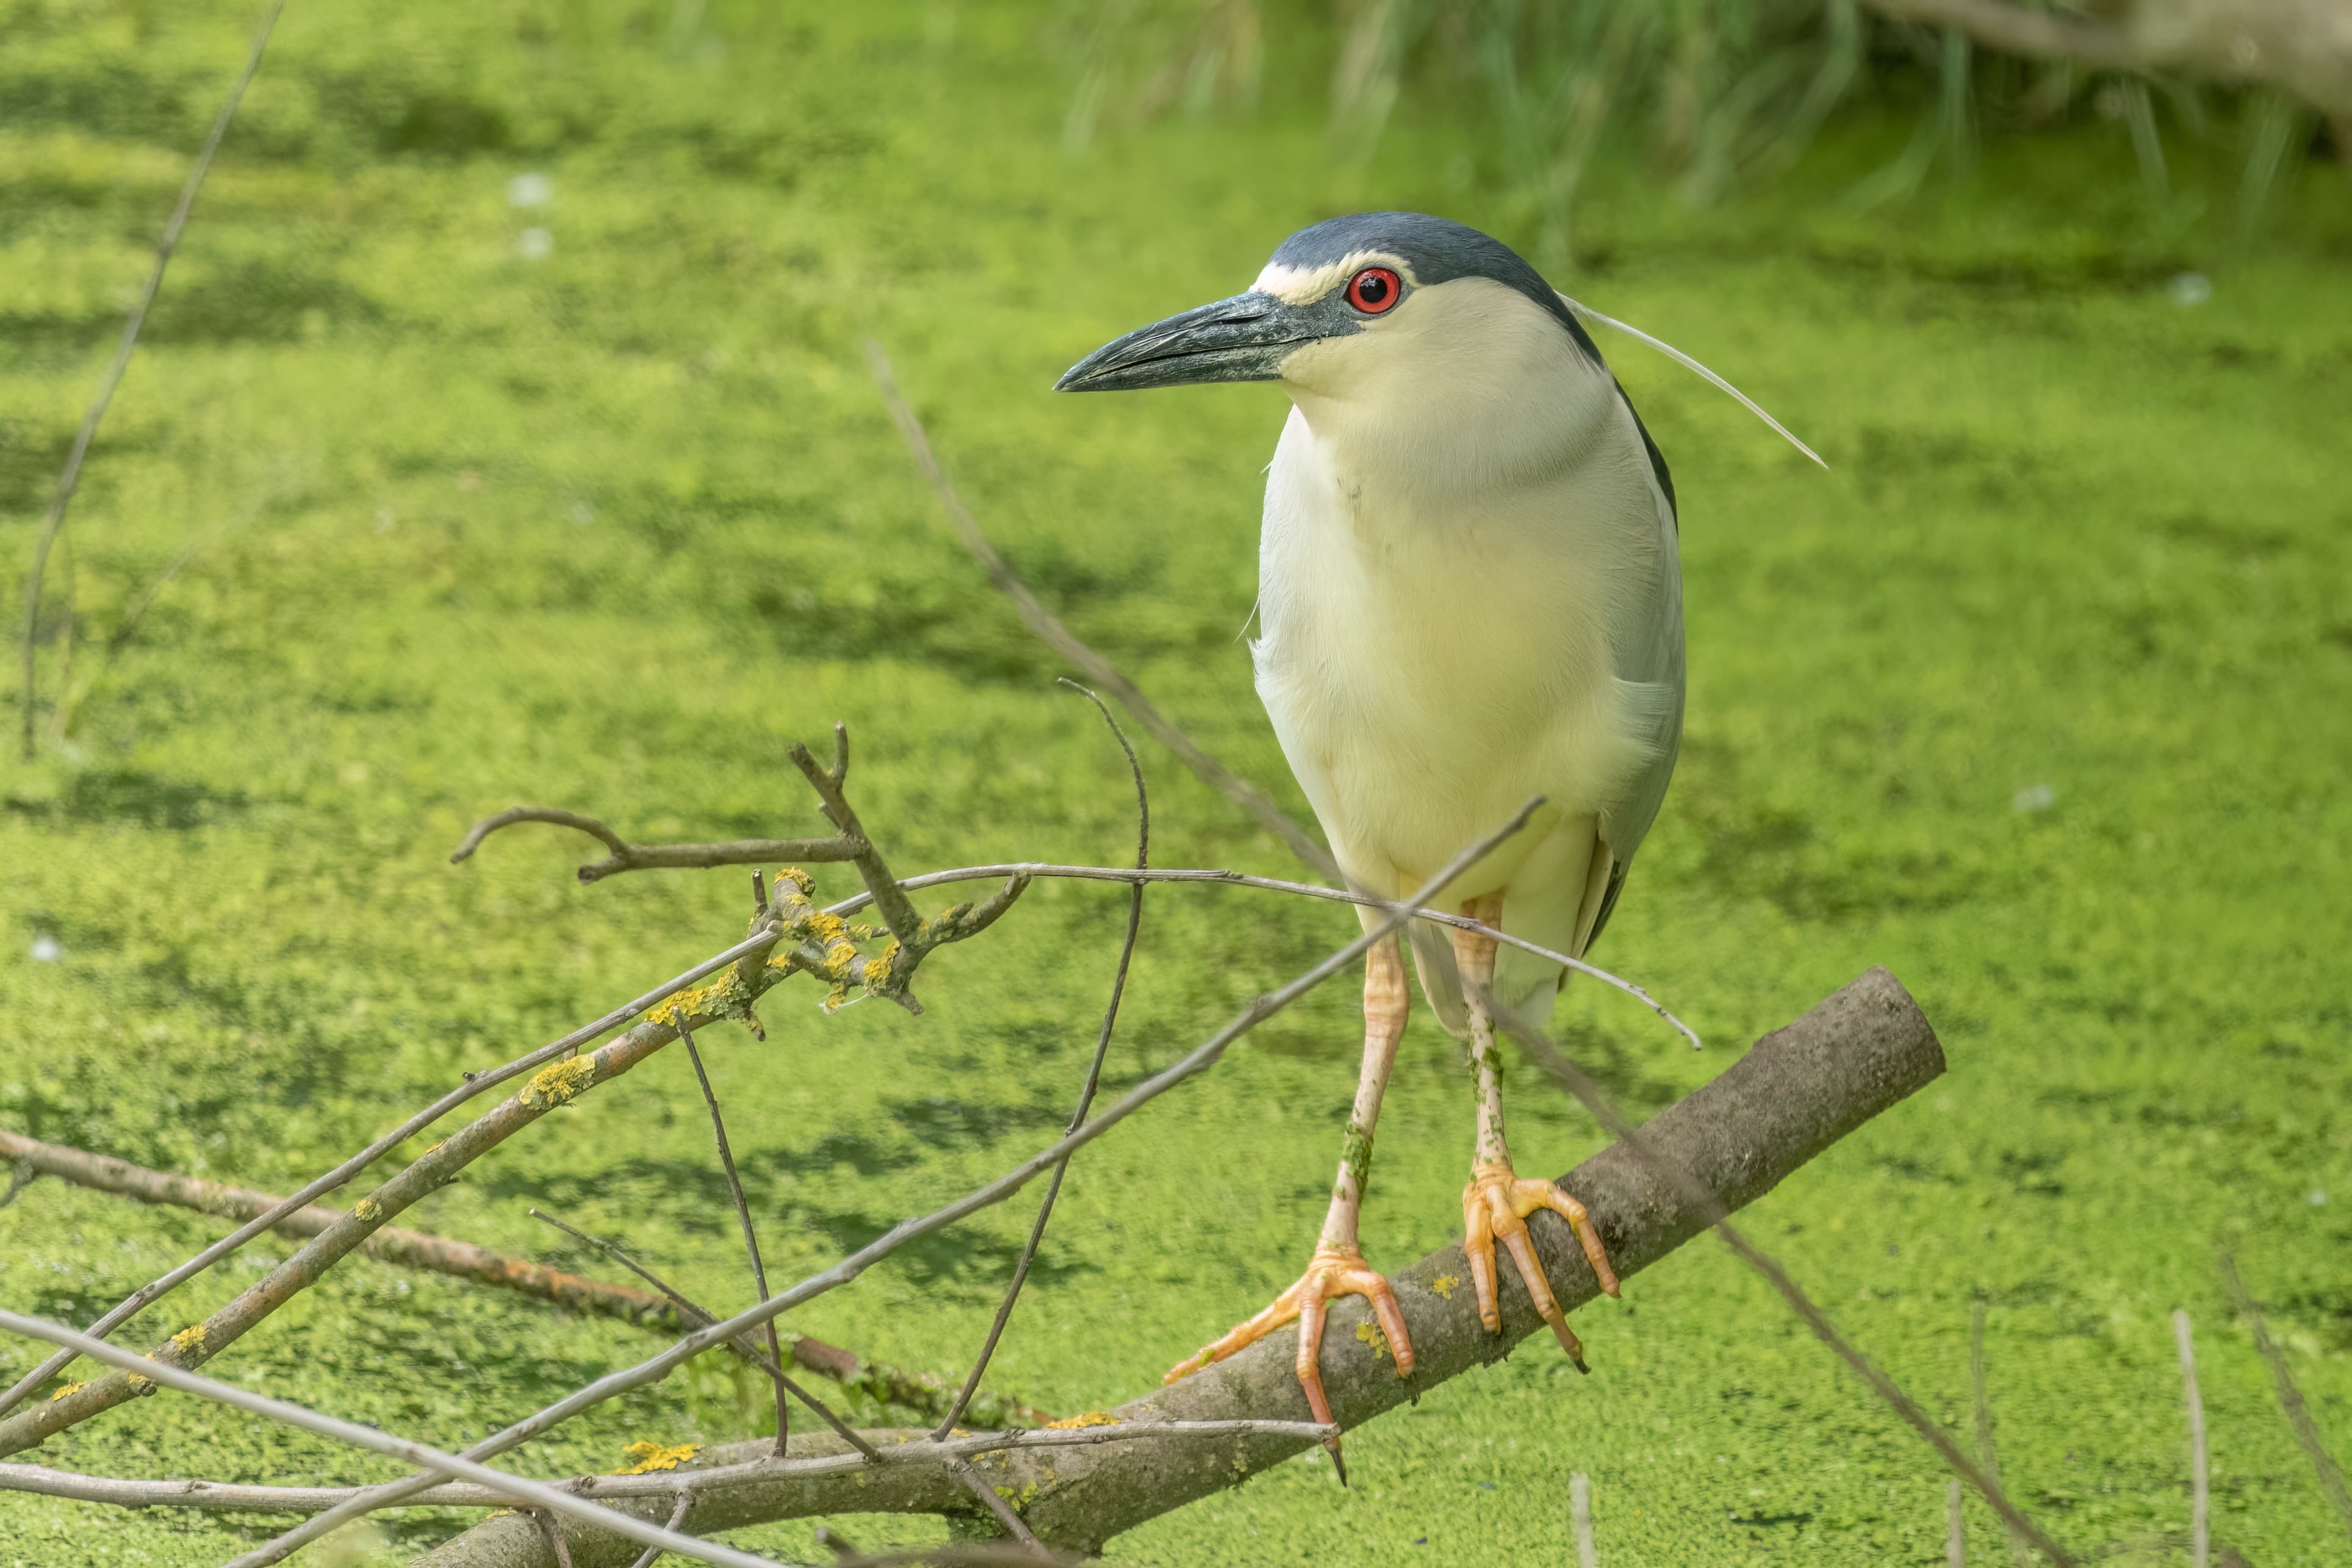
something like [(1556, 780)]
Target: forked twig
[(1695, 1192), (70, 478), (1199, 1059), (1094, 1069), (2298, 1414), (1098, 669)]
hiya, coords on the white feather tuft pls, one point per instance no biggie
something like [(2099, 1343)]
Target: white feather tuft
[(1672, 353)]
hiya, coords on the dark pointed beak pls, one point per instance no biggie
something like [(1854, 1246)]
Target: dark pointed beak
[(1246, 338)]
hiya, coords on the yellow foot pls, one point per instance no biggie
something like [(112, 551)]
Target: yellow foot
[(1332, 1271), (1494, 1207)]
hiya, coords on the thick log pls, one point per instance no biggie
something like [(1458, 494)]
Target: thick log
[(1796, 1091)]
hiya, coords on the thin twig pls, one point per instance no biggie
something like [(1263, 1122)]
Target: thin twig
[(2201, 1495), (695, 1316), (1580, 1517), (1011, 1522), (1956, 1525), (536, 1494), (629, 857), (905, 1448), (2298, 1415), (1200, 1059), (750, 1236), (652, 1554), (1094, 1068), (1097, 668), (1695, 1192), (888, 1384), (553, 1528), (70, 478), (1054, 871)]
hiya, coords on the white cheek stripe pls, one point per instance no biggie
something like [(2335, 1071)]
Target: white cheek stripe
[(1304, 286)]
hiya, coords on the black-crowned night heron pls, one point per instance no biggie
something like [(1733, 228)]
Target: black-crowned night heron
[(1469, 594)]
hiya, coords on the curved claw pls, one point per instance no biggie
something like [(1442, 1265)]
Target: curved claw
[(1494, 1207)]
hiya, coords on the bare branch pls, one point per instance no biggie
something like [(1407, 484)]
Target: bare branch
[(514, 1487), (2014, 30), (1200, 1059), (409, 1249), (2298, 46), (708, 1470), (474, 1084), (842, 967), (70, 478), (896, 912), (1695, 1191), (1794, 1094), (2298, 1414), (1062, 640), (1094, 1070), (836, 960), (629, 857)]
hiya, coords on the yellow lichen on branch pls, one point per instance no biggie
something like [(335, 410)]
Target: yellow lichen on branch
[(191, 1338), (559, 1082), (652, 1456), (1084, 1419)]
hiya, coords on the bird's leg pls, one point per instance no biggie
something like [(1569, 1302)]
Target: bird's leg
[(1338, 1268), (1496, 1203)]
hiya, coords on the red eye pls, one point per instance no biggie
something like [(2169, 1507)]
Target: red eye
[(1374, 289)]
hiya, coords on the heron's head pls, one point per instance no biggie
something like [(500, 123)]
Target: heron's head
[(1399, 309)]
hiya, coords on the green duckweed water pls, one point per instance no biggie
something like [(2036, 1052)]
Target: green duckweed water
[(2037, 696)]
